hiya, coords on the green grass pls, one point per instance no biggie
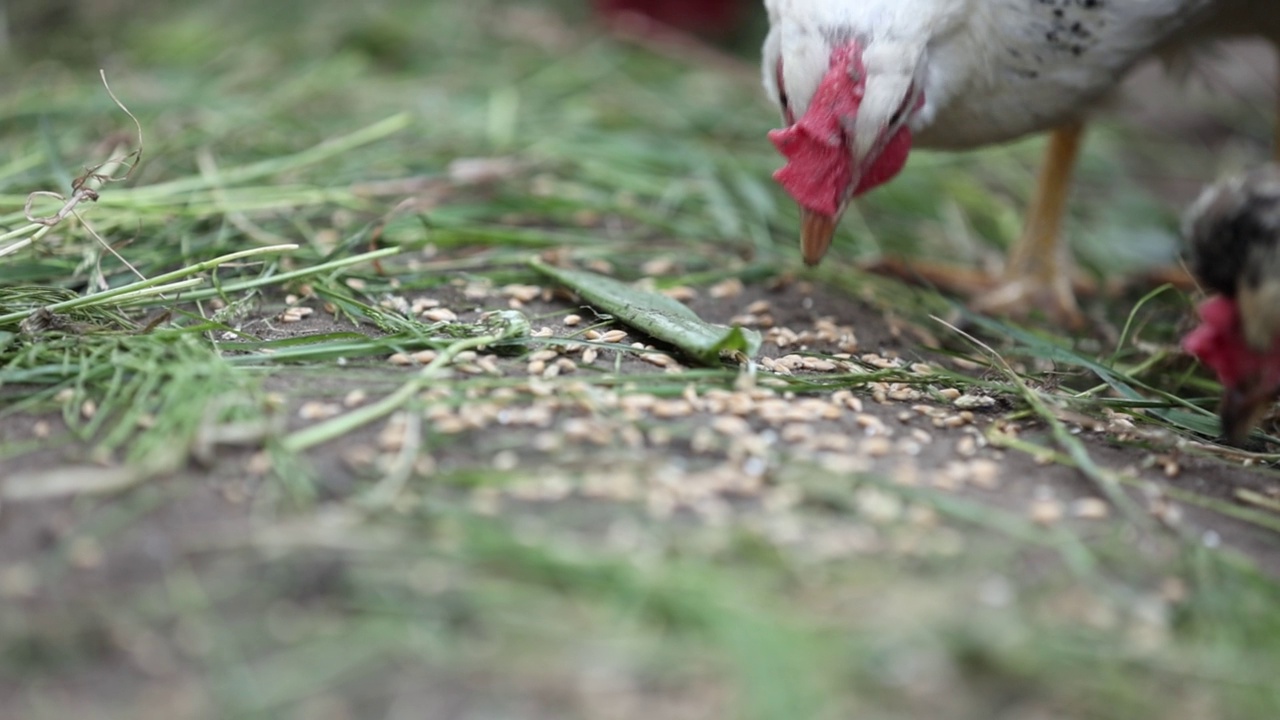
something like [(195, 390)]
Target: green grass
[(306, 150)]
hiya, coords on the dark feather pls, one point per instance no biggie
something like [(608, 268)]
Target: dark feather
[(1233, 232)]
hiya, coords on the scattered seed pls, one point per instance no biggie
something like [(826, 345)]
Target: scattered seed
[(1090, 508), (871, 424), (774, 366), (817, 364), (523, 293), (671, 408), (881, 363), (659, 436), (796, 433), (392, 437), (41, 429), (1045, 511), (703, 441), (847, 399), (878, 505), (949, 394), (354, 398), (877, 446), (658, 266), (984, 473), (505, 460), (440, 314), (657, 359), (905, 473), (600, 265), (951, 477), (259, 464), (489, 364), (316, 410), (88, 409), (295, 314), (613, 336), (681, 293), (731, 287), (572, 320)]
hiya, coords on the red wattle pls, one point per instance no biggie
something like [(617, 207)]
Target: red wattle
[(888, 164), (1219, 343)]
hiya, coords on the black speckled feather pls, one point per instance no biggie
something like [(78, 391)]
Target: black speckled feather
[(1233, 232)]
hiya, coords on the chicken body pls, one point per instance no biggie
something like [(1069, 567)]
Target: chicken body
[(958, 74)]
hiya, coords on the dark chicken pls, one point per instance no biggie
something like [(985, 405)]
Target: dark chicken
[(1233, 237)]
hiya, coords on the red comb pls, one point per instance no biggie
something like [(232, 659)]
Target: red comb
[(818, 172)]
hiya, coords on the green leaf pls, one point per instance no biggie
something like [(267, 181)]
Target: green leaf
[(657, 315)]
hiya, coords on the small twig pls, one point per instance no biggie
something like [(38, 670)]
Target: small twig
[(83, 189)]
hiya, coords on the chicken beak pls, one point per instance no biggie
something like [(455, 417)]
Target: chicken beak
[(1242, 407), (816, 231)]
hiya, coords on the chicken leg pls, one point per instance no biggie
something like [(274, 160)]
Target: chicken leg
[(1038, 273)]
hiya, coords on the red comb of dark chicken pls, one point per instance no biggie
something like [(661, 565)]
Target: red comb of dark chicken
[(705, 17), (1233, 235)]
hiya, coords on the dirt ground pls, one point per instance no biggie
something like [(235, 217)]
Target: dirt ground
[(584, 459)]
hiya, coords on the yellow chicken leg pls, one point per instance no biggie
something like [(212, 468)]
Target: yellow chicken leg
[(1037, 274)]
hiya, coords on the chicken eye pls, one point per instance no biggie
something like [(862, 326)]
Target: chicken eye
[(782, 95), (898, 116)]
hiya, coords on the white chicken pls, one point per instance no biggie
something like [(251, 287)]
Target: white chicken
[(860, 82)]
